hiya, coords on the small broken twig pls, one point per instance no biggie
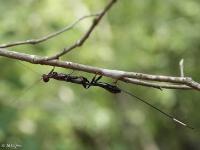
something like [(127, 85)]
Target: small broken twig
[(181, 66)]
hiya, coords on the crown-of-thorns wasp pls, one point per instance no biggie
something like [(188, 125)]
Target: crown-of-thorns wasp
[(109, 87), (80, 80)]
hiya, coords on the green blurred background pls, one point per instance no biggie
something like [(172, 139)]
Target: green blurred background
[(149, 36)]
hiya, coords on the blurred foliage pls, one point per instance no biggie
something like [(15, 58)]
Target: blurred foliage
[(138, 35)]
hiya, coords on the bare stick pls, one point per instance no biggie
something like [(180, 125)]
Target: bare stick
[(82, 40), (181, 82), (49, 36)]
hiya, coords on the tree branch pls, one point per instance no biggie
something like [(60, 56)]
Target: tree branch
[(47, 37), (82, 40), (131, 77), (155, 81)]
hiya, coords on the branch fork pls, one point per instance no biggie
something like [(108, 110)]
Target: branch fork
[(155, 81)]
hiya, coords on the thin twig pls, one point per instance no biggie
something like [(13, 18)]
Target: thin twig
[(156, 85), (181, 82), (82, 40), (49, 36)]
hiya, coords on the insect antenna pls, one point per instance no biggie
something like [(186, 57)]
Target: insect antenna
[(24, 91), (16, 100), (29, 68)]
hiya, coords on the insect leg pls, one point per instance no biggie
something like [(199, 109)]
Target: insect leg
[(52, 70), (94, 80)]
